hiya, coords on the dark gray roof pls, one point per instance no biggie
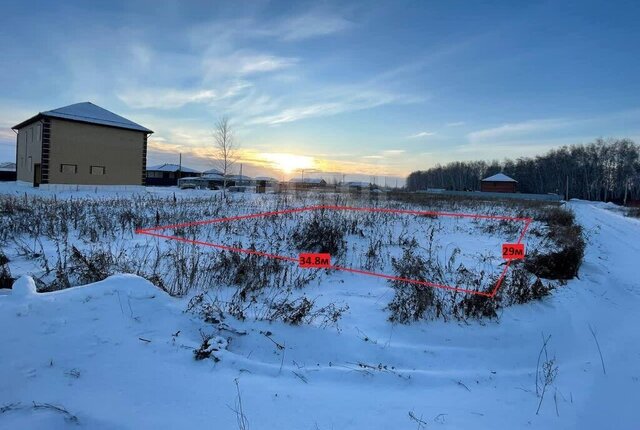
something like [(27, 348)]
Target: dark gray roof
[(89, 113), (168, 167), (307, 180)]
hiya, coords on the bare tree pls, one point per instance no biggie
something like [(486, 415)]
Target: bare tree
[(226, 151)]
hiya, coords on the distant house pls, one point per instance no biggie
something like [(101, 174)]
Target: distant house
[(237, 180), (168, 174), (358, 185), (7, 172), (268, 180), (212, 172), (499, 183), (210, 181), (81, 144), (308, 183), (215, 181)]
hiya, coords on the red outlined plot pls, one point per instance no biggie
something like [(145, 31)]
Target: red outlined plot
[(156, 232)]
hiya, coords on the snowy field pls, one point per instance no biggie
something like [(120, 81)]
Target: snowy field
[(119, 353)]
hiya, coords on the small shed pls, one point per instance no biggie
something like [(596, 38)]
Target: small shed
[(262, 182), (499, 183)]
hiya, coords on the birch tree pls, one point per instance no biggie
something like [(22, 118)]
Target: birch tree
[(225, 149)]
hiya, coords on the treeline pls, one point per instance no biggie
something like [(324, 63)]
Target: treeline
[(607, 170)]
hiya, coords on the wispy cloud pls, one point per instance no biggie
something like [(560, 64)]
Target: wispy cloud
[(290, 28), (511, 148), (165, 98), (346, 99), (545, 130), (386, 155), (519, 129), (300, 112), (242, 63), (421, 134), (311, 24), (455, 124)]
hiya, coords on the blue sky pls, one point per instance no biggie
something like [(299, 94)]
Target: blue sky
[(377, 88)]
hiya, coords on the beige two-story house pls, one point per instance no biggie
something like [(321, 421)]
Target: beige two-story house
[(81, 144)]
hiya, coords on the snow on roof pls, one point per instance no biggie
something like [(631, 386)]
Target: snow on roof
[(358, 184), (89, 113), (499, 177), (239, 177), (212, 176), (266, 178), (168, 167), (8, 167), (307, 180), (212, 171)]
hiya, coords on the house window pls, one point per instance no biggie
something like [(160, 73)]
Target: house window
[(97, 170), (153, 174), (69, 168), (30, 163)]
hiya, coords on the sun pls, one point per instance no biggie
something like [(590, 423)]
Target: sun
[(289, 163)]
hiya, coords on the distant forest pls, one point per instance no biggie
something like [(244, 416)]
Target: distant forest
[(607, 170)]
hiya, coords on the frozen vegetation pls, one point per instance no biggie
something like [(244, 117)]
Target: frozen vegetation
[(113, 329)]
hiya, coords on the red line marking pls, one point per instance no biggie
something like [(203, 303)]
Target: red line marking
[(217, 220), (225, 247), (151, 232)]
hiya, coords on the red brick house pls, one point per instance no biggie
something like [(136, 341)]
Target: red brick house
[(499, 183)]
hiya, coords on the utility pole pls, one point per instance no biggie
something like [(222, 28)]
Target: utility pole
[(180, 166), (241, 178)]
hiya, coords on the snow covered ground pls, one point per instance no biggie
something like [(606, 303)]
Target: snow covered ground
[(119, 354)]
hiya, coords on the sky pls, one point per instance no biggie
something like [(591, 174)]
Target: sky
[(363, 89)]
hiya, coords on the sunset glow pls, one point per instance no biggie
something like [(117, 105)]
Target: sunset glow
[(288, 163)]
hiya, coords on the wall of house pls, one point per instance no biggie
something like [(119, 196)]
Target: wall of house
[(498, 187), (28, 150), (121, 153), (165, 179)]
